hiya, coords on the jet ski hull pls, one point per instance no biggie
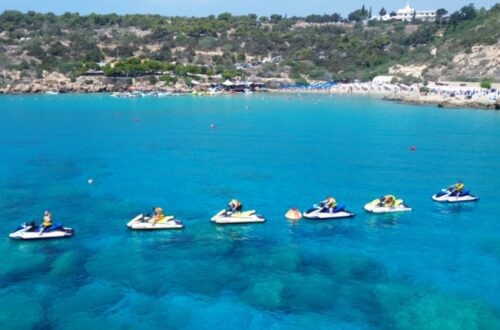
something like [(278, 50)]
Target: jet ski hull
[(224, 219), (446, 197), (141, 222), (384, 209), (25, 233), (318, 214), (374, 207)]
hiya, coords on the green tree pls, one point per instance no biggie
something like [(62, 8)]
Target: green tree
[(34, 48), (163, 54), (153, 80), (441, 12), (301, 81), (485, 83), (275, 18), (382, 12), (358, 15), (58, 49), (241, 57)]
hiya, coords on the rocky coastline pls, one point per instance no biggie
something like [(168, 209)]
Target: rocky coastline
[(56, 82), (443, 102)]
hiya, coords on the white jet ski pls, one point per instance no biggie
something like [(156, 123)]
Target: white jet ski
[(33, 232), (376, 206), (318, 212), (225, 217), (449, 196), (144, 222)]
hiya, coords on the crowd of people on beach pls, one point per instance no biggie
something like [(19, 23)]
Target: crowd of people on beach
[(466, 96), (370, 87), (462, 92)]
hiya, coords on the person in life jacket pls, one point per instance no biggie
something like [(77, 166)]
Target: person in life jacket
[(388, 201), (159, 215), (457, 188), (330, 204), (234, 206), (47, 221)]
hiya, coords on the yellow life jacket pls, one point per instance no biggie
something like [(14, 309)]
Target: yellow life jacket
[(158, 214), (47, 221)]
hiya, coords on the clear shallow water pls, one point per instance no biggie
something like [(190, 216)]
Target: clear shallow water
[(436, 267)]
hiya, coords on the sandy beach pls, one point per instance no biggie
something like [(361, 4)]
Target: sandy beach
[(449, 94)]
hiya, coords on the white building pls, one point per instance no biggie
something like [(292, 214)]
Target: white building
[(407, 13)]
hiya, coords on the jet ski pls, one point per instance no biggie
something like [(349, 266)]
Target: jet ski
[(226, 217), (450, 196), (33, 232), (377, 206), (144, 222), (319, 212)]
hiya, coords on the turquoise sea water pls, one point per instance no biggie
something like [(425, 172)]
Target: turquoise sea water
[(435, 268)]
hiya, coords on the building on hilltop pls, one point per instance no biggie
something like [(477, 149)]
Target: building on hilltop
[(408, 14)]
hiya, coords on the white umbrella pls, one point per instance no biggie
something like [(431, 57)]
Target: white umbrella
[(227, 83)]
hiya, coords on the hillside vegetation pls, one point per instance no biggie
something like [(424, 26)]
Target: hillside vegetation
[(463, 46)]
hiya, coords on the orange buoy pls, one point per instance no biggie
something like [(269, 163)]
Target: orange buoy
[(293, 214)]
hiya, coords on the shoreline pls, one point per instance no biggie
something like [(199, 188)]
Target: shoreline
[(444, 103), (440, 96), (449, 97)]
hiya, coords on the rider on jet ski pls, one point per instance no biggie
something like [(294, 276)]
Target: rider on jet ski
[(234, 206), (329, 204), (47, 221), (456, 189), (388, 201), (159, 215)]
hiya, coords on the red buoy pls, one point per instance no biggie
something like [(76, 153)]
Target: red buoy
[(412, 148)]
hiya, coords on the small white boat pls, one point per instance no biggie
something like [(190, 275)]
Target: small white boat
[(318, 212), (144, 222), (376, 206), (226, 218), (449, 196), (33, 232)]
